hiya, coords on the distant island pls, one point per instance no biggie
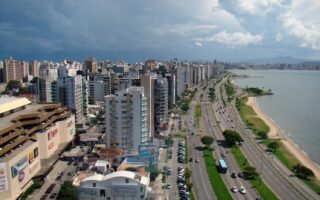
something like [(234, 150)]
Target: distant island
[(276, 63)]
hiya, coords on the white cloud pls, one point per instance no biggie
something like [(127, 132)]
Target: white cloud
[(279, 37), (302, 20), (258, 7), (235, 39), (184, 29), (199, 44)]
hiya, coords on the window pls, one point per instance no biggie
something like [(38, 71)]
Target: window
[(94, 184), (127, 180), (108, 198), (141, 189), (102, 193), (142, 196)]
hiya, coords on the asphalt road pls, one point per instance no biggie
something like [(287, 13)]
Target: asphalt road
[(201, 185), (219, 149), (274, 174)]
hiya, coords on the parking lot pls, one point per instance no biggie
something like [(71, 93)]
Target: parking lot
[(62, 171), (176, 183)]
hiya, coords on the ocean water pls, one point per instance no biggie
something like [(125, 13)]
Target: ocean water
[(295, 105)]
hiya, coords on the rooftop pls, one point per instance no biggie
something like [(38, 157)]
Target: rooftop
[(30, 109), (92, 137), (8, 103), (127, 174)]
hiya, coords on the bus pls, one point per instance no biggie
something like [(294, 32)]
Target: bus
[(222, 166)]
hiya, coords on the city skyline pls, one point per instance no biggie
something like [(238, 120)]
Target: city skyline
[(135, 31)]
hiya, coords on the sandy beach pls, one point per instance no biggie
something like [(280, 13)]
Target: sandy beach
[(275, 134)]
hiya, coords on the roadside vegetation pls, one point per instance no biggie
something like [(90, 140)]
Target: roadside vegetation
[(184, 102), (36, 185), (67, 192), (255, 91), (207, 140), (216, 181), (212, 94), (232, 137), (260, 129), (198, 113), (250, 118), (229, 90)]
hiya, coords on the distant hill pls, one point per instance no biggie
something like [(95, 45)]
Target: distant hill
[(275, 60)]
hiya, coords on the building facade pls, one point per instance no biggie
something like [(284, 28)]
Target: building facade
[(29, 133), (126, 119), (69, 91), (117, 185), (161, 104)]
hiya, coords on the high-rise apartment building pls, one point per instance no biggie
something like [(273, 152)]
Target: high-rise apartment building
[(99, 87), (34, 68), (161, 103), (148, 81), (14, 70), (91, 65), (68, 91), (171, 77), (126, 119)]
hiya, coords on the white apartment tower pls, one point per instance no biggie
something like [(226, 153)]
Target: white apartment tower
[(69, 93), (126, 119)]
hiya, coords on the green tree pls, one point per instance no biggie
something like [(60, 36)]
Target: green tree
[(207, 140), (14, 84), (91, 100), (250, 173), (273, 146), (232, 137), (263, 135), (187, 173), (67, 192), (303, 172), (154, 172), (35, 80)]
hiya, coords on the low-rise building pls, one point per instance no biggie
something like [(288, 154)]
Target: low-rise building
[(117, 185)]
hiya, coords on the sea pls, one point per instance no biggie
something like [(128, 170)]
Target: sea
[(295, 105)]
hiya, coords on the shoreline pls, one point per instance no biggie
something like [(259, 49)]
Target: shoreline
[(275, 133)]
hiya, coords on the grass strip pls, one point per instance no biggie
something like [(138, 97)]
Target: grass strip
[(191, 195), (198, 113), (216, 181), (250, 118), (258, 184)]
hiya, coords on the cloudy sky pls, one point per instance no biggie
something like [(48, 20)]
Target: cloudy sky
[(229, 30)]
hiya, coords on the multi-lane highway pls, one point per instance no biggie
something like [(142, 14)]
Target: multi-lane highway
[(201, 184), (274, 174), (222, 152), (199, 176)]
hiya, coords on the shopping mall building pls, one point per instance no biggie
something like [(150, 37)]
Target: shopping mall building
[(29, 133)]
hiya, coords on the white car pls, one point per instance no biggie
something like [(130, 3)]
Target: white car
[(168, 186), (242, 190), (197, 160), (234, 189)]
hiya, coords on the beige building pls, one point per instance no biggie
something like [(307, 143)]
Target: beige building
[(29, 133), (14, 70)]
